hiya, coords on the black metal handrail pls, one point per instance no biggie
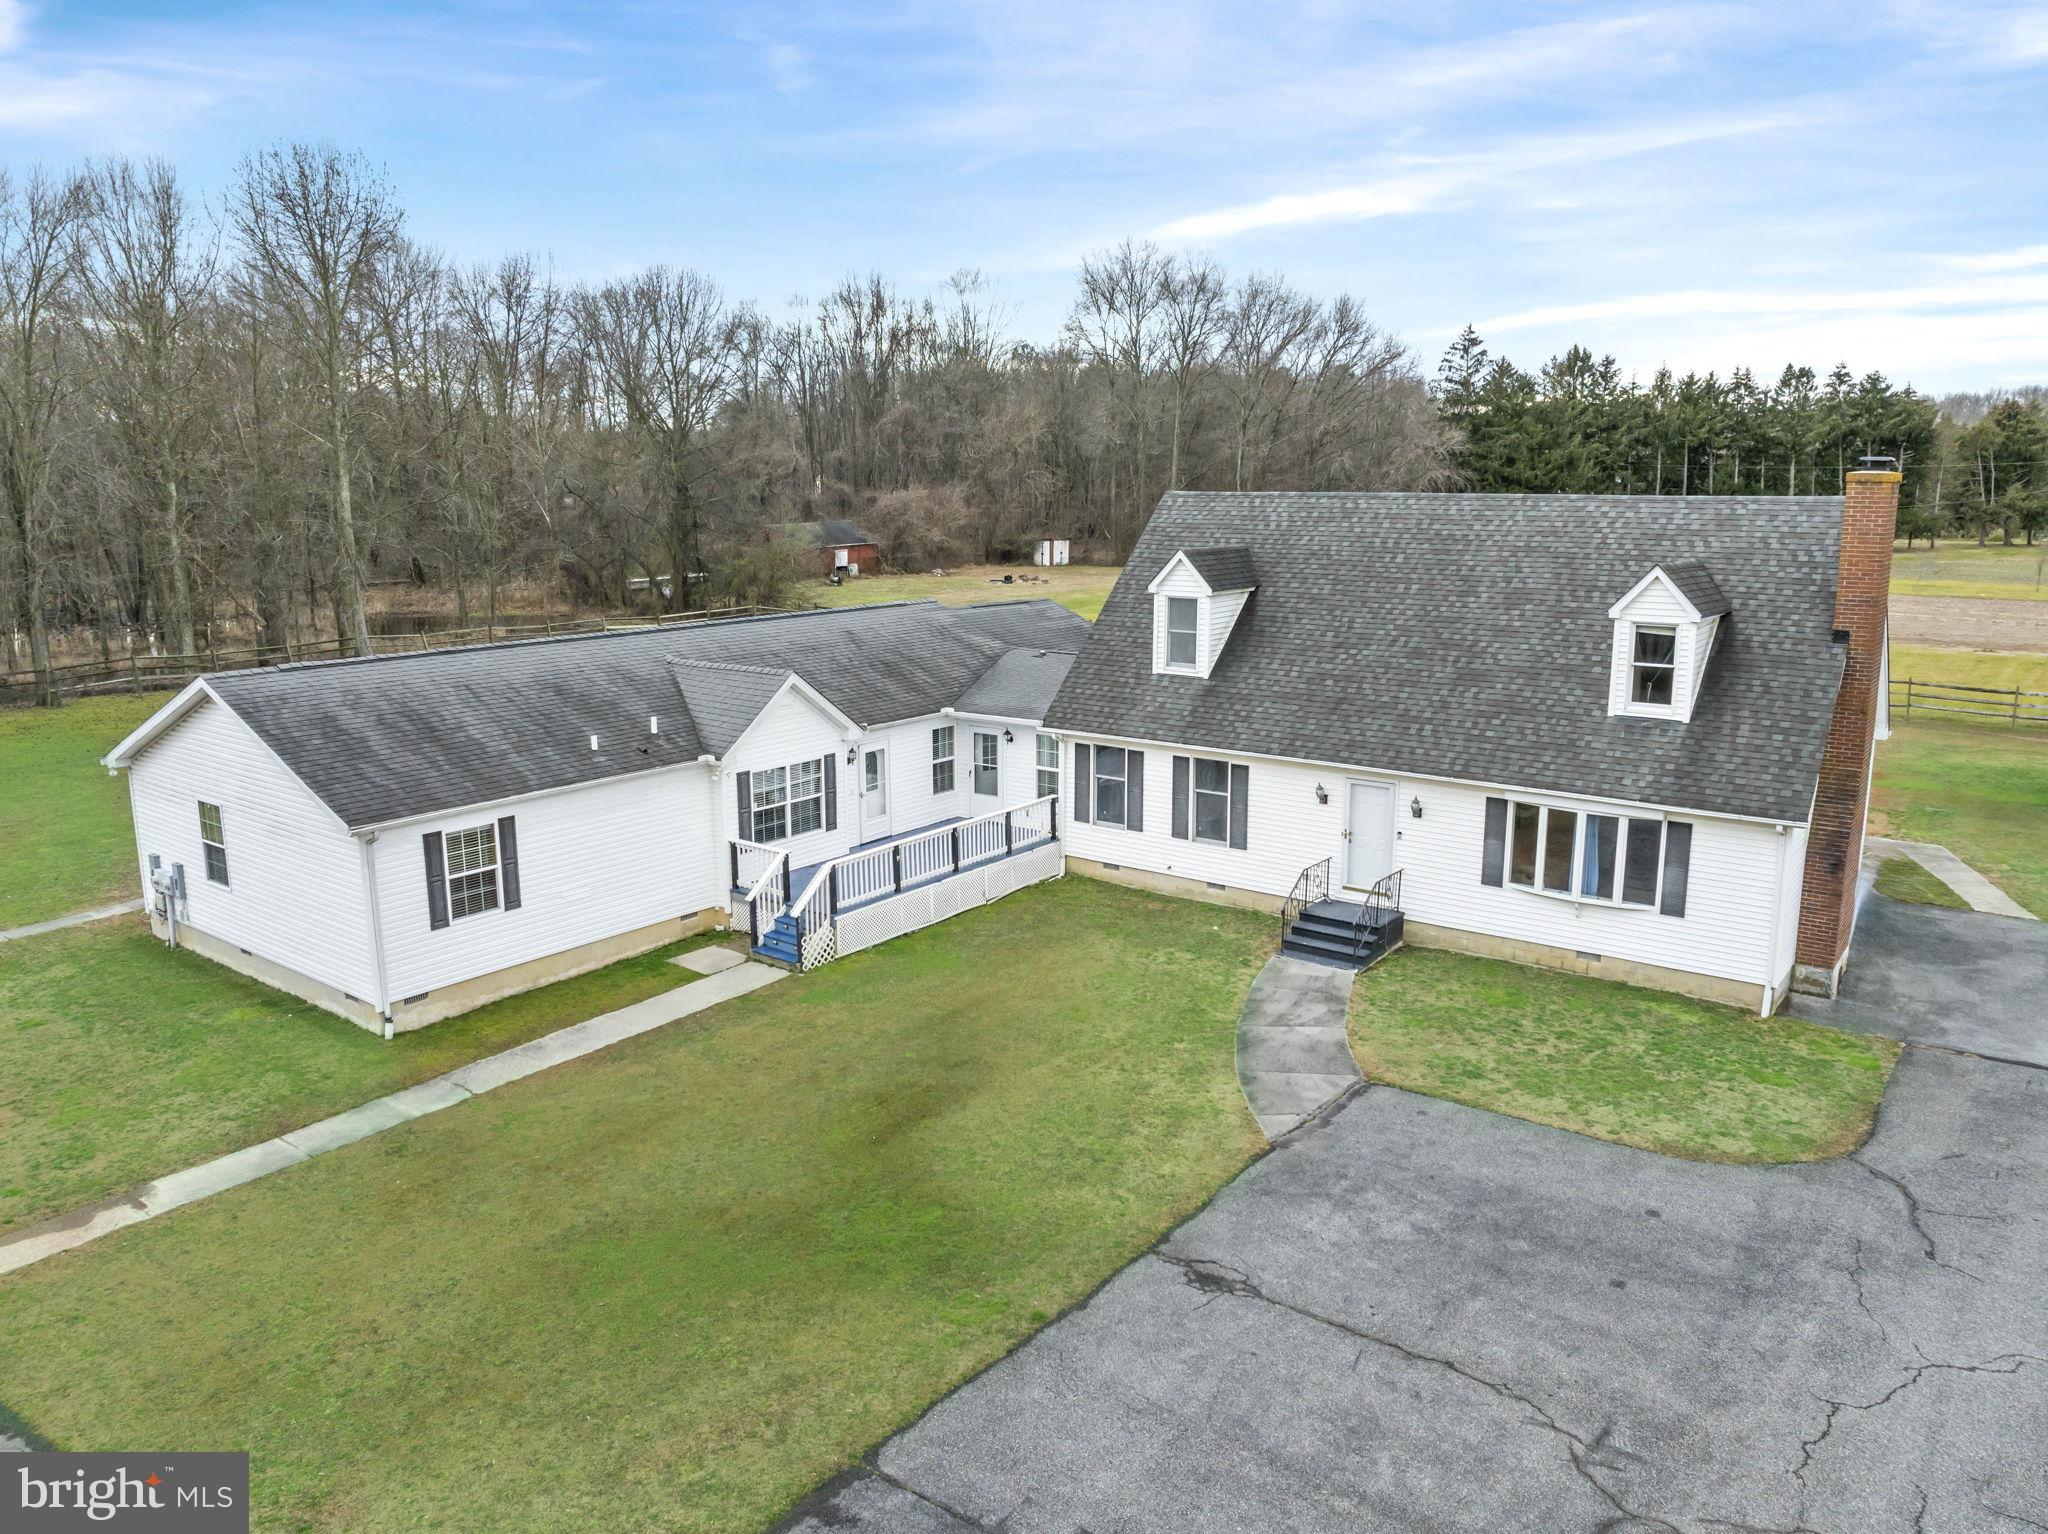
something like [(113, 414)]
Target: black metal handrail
[(1310, 885), (1383, 897)]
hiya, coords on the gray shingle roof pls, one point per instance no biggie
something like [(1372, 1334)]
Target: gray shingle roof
[(1697, 585), (723, 699), (1020, 684), (1466, 636), (1225, 569), (390, 737)]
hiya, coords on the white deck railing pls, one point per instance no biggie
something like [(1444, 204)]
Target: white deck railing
[(765, 891), (871, 874)]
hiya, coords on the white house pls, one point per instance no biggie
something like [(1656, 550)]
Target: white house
[(1625, 735), (400, 838)]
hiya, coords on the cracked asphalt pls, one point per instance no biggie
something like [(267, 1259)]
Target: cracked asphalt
[(1419, 1316)]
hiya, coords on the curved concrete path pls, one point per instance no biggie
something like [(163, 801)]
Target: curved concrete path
[(1293, 1055)]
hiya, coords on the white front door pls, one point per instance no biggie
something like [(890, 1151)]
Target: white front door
[(1369, 835), (988, 755), (874, 792)]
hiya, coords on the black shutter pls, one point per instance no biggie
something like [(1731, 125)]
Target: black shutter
[(1134, 794), (1677, 864), (1083, 810), (1493, 864), (508, 863), (744, 826), (832, 793), (1180, 798), (1240, 805), (437, 881)]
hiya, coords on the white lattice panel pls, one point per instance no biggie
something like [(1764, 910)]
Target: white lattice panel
[(820, 947)]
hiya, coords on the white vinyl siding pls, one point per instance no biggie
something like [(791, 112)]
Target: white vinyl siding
[(594, 862), (791, 730), (297, 893), (1727, 930)]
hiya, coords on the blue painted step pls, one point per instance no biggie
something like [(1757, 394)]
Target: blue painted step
[(780, 941)]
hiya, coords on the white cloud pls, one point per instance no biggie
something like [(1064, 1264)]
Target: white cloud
[(1423, 184), (788, 67), (1695, 303), (2000, 260)]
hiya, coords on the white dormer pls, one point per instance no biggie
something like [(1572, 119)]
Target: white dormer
[(1196, 602), (1664, 634)]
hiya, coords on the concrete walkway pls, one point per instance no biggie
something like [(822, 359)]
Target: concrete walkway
[(75, 919), (66, 1231), (1293, 1055), (1959, 876)]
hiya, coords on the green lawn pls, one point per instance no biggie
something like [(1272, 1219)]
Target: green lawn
[(1904, 879), (1083, 588), (676, 1284), (2024, 669), (1961, 569), (121, 1060), (1980, 790), (1645, 1068), (65, 842)]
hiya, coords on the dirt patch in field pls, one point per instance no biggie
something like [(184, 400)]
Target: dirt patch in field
[(1970, 623)]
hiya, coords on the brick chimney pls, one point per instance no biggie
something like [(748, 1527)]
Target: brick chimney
[(1834, 847)]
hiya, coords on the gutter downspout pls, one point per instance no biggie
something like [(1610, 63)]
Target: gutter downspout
[(382, 1000)]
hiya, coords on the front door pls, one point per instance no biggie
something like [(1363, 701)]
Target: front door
[(874, 792), (987, 755), (1369, 835)]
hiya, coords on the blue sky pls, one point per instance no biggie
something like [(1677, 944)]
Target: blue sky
[(1697, 184)]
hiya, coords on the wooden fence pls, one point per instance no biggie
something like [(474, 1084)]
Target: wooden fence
[(144, 673), (2012, 705)]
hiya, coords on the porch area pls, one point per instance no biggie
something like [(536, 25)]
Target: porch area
[(806, 916)]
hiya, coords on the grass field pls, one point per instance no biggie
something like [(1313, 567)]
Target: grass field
[(1644, 1068), (676, 1284), (65, 842), (2025, 670), (1978, 788), (1961, 569), (121, 1060), (1904, 879), (1080, 587)]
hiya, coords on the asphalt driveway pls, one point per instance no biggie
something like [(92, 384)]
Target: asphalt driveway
[(1419, 1316)]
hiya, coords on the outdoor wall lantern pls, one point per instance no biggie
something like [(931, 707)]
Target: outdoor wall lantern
[(1415, 808), (852, 753), (1322, 794), (1009, 739)]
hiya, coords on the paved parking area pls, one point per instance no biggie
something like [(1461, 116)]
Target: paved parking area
[(1419, 1316)]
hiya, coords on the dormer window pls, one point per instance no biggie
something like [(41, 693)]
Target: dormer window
[(1664, 635), (1182, 632), (1655, 666), (1197, 599)]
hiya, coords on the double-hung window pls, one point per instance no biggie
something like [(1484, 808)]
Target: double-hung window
[(1653, 666), (942, 759), (1111, 772), (472, 871), (1180, 631), (789, 801), (1211, 801), (1611, 858), (214, 841), (1048, 766)]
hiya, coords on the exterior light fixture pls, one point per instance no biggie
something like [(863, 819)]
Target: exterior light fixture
[(1009, 739), (1322, 794), (852, 753), (1415, 808)]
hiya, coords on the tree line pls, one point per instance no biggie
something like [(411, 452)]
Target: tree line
[(1974, 464), (239, 415)]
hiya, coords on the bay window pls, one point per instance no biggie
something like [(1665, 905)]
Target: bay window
[(1613, 859)]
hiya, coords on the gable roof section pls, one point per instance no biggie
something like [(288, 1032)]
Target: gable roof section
[(1697, 585), (1020, 684), (389, 738), (723, 699), (1467, 637), (1225, 569)]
